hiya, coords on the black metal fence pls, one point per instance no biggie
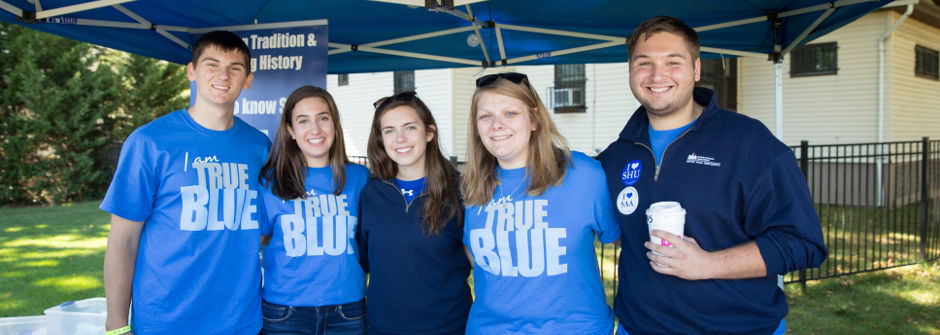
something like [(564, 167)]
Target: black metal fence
[(878, 204)]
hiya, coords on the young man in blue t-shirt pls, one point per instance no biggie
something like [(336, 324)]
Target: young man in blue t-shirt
[(749, 213), (184, 237)]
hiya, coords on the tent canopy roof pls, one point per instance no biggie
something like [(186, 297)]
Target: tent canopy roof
[(371, 36)]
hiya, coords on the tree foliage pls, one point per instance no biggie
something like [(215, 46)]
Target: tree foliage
[(63, 105)]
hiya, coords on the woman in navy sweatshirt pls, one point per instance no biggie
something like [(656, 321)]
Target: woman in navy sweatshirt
[(411, 226)]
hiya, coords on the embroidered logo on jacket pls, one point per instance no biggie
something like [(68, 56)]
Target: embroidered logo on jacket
[(696, 159)]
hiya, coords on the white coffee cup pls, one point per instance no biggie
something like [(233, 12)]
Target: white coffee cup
[(667, 216)]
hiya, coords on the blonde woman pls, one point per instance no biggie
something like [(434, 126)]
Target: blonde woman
[(533, 211)]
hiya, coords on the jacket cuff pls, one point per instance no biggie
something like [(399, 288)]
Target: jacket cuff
[(773, 257)]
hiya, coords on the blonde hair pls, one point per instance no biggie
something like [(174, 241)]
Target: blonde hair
[(548, 155)]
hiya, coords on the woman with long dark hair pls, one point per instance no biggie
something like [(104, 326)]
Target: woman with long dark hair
[(533, 211), (410, 237), (313, 283)]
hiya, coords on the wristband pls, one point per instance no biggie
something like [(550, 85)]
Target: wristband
[(119, 331)]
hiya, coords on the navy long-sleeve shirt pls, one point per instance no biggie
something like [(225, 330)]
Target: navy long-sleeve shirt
[(738, 183), (418, 283)]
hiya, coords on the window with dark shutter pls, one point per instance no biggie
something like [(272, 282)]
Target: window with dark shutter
[(814, 60), (567, 96), (926, 62)]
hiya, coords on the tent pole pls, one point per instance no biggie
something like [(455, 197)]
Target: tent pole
[(808, 30), (78, 8), (11, 8), (476, 30), (778, 99)]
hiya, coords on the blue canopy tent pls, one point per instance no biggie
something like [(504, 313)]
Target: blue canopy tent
[(370, 36), (387, 35)]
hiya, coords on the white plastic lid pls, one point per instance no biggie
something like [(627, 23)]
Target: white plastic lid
[(666, 207)]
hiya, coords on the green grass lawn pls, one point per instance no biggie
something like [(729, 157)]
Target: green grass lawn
[(49, 255), (904, 300)]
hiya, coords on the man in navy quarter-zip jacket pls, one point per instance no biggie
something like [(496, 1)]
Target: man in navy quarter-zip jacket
[(749, 212)]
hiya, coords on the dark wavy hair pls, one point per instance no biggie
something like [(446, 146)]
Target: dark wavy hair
[(440, 175), (286, 168)]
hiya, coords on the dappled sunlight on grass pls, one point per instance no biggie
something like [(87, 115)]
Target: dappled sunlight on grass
[(71, 282), (58, 253), (902, 300), (50, 255), (922, 297), (69, 241), (7, 304), (40, 263), (13, 274)]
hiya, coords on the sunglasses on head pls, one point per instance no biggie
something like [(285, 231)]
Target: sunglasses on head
[(514, 77), (403, 96)]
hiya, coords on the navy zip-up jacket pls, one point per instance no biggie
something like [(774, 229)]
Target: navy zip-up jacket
[(417, 283), (738, 183)]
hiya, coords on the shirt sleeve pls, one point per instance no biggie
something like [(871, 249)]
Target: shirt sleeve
[(607, 226), (134, 186), (780, 213), (265, 210)]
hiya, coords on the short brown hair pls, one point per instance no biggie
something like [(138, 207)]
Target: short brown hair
[(666, 24), (225, 41)]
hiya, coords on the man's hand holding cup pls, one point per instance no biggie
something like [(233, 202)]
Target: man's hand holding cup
[(684, 258)]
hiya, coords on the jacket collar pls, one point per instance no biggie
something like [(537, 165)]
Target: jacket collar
[(637, 128)]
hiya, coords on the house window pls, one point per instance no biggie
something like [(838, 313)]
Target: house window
[(568, 94), (721, 75), (342, 79), (927, 62), (404, 81), (814, 60)]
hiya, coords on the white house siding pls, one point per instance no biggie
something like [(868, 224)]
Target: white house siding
[(435, 88), (756, 94), (915, 104), (840, 108), (464, 85), (608, 100), (609, 97), (354, 102)]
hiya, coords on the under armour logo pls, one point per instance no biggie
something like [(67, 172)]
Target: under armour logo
[(409, 193)]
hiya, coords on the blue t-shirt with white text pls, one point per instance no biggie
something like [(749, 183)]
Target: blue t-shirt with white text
[(536, 268), (196, 191), (312, 258)]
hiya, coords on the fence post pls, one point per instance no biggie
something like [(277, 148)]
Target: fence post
[(804, 166), (924, 195)]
